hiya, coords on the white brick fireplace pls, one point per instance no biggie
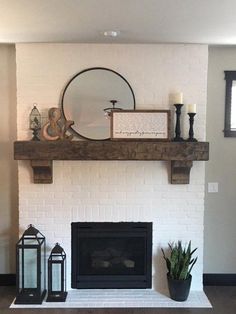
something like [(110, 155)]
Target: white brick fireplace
[(113, 191)]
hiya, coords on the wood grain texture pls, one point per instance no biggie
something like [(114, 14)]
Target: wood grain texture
[(42, 171), (41, 154), (180, 171), (110, 150)]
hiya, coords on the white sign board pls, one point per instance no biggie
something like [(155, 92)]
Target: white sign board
[(140, 124)]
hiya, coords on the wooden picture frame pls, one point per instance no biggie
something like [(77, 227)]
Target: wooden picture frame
[(140, 125)]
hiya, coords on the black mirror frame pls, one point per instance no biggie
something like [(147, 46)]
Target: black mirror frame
[(76, 75), (230, 76)]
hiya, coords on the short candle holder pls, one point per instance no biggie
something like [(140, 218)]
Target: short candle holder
[(178, 137), (191, 122)]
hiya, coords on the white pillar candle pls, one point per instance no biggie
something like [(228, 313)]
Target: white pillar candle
[(178, 98), (192, 108)]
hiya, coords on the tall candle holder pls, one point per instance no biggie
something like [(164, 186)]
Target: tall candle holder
[(178, 137), (191, 122)]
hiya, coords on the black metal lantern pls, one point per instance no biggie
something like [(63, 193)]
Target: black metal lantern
[(57, 275), (30, 267)]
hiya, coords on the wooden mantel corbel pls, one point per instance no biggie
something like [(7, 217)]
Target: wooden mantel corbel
[(179, 154), (180, 171), (42, 170)]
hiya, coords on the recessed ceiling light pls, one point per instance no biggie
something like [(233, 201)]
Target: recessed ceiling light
[(111, 33)]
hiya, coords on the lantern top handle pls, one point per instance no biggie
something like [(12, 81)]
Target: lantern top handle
[(32, 232), (57, 249)]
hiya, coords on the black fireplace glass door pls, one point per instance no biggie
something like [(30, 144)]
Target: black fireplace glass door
[(111, 256)]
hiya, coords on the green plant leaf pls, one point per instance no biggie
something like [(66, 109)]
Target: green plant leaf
[(180, 262)]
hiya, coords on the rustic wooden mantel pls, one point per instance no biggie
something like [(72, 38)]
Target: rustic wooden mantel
[(42, 153)]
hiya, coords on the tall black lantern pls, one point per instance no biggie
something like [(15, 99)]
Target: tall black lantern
[(30, 267), (57, 275)]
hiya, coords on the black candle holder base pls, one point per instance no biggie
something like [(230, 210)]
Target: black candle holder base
[(178, 139), (191, 140)]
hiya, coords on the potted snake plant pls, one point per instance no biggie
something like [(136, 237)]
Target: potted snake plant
[(179, 264)]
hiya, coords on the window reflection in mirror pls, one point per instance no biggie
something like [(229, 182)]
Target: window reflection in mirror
[(230, 104)]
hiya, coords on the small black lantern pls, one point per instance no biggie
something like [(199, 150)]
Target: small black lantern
[(57, 275), (30, 267), (35, 123)]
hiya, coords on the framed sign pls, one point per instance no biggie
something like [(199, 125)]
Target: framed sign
[(141, 124)]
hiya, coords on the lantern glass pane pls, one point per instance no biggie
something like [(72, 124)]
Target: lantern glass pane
[(64, 283), (28, 241), (56, 277), (20, 268), (35, 119), (30, 268), (43, 265)]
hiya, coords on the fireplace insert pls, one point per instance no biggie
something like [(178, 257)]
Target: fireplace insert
[(111, 255)]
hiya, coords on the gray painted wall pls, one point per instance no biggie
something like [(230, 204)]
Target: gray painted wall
[(220, 208), (8, 170)]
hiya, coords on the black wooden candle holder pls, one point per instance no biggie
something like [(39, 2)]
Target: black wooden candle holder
[(191, 122), (178, 137)]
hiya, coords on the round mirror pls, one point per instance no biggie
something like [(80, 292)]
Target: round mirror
[(89, 97)]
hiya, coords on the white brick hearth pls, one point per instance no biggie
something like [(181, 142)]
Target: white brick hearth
[(113, 191), (122, 298)]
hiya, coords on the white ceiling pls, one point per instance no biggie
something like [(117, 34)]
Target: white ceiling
[(140, 21)]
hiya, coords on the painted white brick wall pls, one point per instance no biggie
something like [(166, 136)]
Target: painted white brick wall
[(115, 190)]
